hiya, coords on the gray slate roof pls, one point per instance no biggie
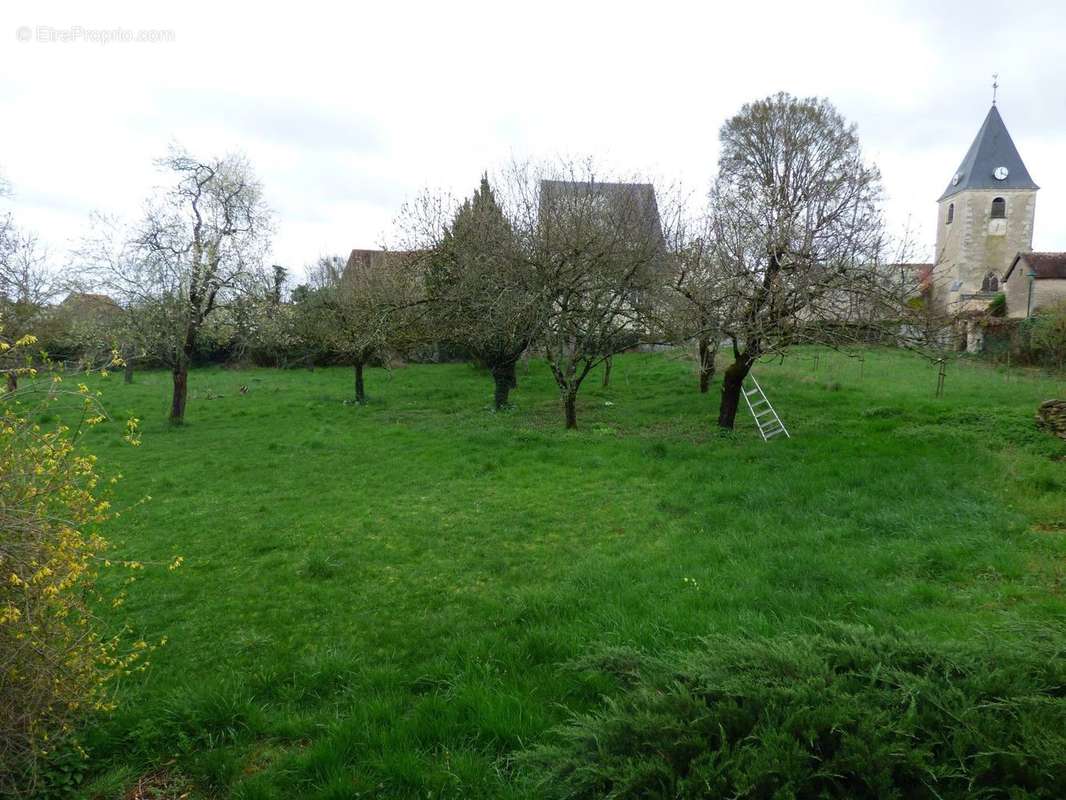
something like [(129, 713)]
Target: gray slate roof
[(992, 148)]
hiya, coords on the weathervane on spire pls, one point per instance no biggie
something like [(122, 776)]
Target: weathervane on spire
[(995, 86)]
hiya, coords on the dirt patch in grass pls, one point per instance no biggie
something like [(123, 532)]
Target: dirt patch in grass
[(160, 784), (1050, 527)]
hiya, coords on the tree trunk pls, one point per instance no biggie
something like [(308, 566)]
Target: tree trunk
[(12, 381), (607, 372), (570, 405), (503, 389), (706, 367), (732, 385), (360, 391), (181, 390), (127, 372), (504, 377), (181, 374)]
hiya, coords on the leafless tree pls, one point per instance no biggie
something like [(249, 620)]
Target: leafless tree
[(25, 279), (198, 247), (359, 312), (27, 286), (7, 223), (597, 257), (688, 309), (141, 329), (327, 271), (797, 233)]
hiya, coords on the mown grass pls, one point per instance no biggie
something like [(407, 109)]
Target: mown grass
[(375, 601)]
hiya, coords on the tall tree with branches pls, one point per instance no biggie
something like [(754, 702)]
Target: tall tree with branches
[(797, 231), (688, 309), (597, 251), (199, 247), (27, 284), (357, 313)]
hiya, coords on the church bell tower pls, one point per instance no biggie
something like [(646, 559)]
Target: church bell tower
[(985, 218)]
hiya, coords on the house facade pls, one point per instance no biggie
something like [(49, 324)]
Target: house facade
[(1033, 282)]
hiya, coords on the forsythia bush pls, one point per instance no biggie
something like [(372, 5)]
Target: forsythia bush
[(55, 663)]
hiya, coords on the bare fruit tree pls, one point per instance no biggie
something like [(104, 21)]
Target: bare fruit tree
[(596, 250), (689, 308), (357, 313), (138, 329), (199, 247), (798, 234), (7, 223), (27, 284)]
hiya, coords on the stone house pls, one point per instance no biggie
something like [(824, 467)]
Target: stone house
[(1035, 281)]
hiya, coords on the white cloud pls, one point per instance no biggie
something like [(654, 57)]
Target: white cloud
[(345, 111)]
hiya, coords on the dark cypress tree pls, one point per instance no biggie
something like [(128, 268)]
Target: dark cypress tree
[(482, 292)]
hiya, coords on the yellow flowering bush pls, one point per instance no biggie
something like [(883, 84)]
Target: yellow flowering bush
[(55, 661)]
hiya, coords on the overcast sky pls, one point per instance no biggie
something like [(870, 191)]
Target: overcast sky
[(347, 109)]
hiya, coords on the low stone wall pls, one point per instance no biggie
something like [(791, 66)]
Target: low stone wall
[(1051, 416)]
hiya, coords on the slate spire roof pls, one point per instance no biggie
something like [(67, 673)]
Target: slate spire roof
[(992, 148)]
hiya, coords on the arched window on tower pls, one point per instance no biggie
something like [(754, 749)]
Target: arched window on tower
[(990, 283), (951, 213), (999, 208)]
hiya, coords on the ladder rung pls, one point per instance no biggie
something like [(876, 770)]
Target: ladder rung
[(766, 419)]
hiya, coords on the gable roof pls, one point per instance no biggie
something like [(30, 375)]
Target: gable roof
[(992, 148), (1045, 265)]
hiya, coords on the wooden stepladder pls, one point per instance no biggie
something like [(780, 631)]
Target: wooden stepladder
[(766, 419)]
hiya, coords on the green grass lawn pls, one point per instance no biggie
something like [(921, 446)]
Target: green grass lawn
[(377, 601)]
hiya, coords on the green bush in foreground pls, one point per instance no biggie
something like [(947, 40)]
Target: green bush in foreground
[(840, 713)]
